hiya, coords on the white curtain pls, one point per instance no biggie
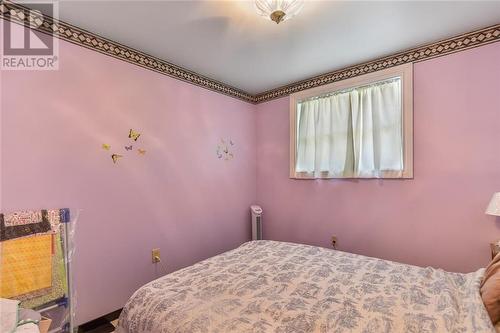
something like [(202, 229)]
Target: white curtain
[(351, 133)]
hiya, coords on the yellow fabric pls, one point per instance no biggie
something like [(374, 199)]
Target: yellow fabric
[(26, 265)]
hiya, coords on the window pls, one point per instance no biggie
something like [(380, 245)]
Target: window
[(356, 128)]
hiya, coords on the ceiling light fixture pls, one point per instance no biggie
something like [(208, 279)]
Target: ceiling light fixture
[(278, 10)]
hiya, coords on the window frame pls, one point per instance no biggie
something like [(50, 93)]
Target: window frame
[(406, 73)]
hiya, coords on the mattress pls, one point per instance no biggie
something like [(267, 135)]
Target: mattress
[(269, 286)]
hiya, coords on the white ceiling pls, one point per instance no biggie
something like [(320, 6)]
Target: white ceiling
[(227, 41)]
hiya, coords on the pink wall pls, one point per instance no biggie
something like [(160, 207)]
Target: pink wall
[(181, 198), (437, 218), (178, 197)]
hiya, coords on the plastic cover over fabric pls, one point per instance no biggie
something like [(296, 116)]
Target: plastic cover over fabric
[(36, 249)]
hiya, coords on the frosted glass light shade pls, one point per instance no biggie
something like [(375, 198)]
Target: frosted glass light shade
[(278, 10), (494, 206)]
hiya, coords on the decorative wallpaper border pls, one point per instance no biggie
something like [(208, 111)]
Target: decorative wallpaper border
[(65, 31), (437, 49), (17, 13)]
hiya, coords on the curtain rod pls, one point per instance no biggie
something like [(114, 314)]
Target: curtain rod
[(343, 91)]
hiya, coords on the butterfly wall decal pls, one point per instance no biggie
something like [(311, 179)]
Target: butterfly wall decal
[(224, 150), (134, 135), (116, 157)]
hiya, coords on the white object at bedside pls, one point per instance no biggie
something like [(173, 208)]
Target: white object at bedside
[(8, 314), (27, 328), (494, 206)]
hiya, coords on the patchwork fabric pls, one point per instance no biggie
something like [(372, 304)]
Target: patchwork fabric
[(26, 265), (54, 217), (59, 282), (31, 217), (22, 218), (21, 230), (36, 293), (27, 225)]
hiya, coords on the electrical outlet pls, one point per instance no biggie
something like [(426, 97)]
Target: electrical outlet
[(155, 255), (334, 242)]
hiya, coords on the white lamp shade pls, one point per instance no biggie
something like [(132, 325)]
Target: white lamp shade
[(494, 206)]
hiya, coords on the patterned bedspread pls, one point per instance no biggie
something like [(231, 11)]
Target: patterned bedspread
[(268, 286)]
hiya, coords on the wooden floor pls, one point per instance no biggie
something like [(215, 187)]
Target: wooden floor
[(104, 324), (105, 328)]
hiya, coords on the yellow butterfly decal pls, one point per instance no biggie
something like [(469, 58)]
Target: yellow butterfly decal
[(115, 157), (134, 135), (105, 146), (141, 151)]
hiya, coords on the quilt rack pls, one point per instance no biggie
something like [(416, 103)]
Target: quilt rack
[(32, 230)]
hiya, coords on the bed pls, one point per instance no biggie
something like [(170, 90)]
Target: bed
[(269, 286)]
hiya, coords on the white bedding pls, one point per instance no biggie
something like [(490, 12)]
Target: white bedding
[(268, 286)]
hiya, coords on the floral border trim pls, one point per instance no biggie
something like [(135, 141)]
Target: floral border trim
[(437, 49), (17, 13), (65, 31)]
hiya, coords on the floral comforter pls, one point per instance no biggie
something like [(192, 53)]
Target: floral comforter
[(268, 286)]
